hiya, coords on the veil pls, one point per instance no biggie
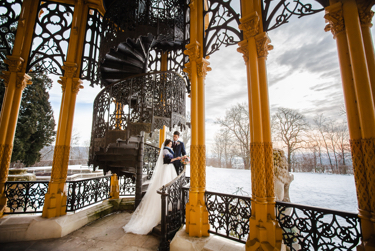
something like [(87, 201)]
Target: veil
[(148, 213)]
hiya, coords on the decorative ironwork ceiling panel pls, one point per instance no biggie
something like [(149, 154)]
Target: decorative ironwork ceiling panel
[(90, 57), (277, 13), (223, 25), (50, 38), (9, 14), (176, 61)]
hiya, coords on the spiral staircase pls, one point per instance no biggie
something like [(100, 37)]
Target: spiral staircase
[(134, 99)]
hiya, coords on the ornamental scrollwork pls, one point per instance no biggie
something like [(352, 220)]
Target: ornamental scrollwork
[(277, 13), (90, 55), (10, 13), (50, 38), (250, 25), (222, 28)]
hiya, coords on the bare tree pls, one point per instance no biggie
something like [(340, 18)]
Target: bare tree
[(290, 127), (236, 123), (224, 148)]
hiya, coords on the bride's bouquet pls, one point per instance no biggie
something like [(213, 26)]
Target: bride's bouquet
[(185, 160)]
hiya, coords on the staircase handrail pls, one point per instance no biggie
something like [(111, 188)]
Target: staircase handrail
[(172, 209)]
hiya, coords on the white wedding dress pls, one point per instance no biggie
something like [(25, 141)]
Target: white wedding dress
[(148, 213)]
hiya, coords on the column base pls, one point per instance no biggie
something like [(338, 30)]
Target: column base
[(3, 200), (265, 233), (197, 215), (55, 201)]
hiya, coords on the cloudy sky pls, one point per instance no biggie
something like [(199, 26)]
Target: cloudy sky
[(303, 74)]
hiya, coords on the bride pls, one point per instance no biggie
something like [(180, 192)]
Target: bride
[(148, 213)]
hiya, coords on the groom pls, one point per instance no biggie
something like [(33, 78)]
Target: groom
[(179, 150)]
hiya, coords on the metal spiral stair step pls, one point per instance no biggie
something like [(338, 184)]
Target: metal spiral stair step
[(121, 58)]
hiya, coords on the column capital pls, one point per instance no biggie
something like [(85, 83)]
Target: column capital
[(22, 80), (14, 63), (335, 19), (62, 81), (192, 5), (193, 51), (187, 69), (203, 67), (70, 69), (77, 85), (5, 76), (365, 12), (263, 44), (243, 48), (250, 25)]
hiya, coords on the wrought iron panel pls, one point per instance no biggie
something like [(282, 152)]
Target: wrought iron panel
[(152, 99), (154, 61), (127, 185), (164, 19), (173, 204), (223, 25), (229, 215), (311, 228), (25, 196), (82, 193), (277, 13), (150, 156), (9, 14), (50, 38), (90, 57)]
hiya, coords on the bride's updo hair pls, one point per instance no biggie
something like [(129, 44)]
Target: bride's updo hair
[(167, 141)]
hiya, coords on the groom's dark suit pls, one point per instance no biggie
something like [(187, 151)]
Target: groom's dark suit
[(179, 150)]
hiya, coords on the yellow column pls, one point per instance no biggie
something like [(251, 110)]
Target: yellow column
[(347, 57), (365, 16), (196, 211), (115, 188), (162, 136), (263, 46), (15, 81), (264, 231), (55, 199)]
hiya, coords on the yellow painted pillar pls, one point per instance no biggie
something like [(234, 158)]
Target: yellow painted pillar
[(55, 199), (196, 212), (162, 136), (264, 234), (15, 81), (263, 46), (115, 188), (365, 17), (163, 67), (338, 25)]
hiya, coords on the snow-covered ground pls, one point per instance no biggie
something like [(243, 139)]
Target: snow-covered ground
[(320, 190)]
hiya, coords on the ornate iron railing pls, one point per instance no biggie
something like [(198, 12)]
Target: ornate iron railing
[(172, 208), (312, 228), (140, 103), (127, 185), (229, 215), (25, 196), (150, 156), (82, 193)]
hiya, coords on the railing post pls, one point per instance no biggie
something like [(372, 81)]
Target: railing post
[(73, 199), (139, 171), (164, 245), (115, 188)]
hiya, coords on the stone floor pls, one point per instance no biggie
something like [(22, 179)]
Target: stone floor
[(103, 234)]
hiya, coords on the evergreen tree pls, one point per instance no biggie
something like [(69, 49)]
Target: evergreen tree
[(36, 124)]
